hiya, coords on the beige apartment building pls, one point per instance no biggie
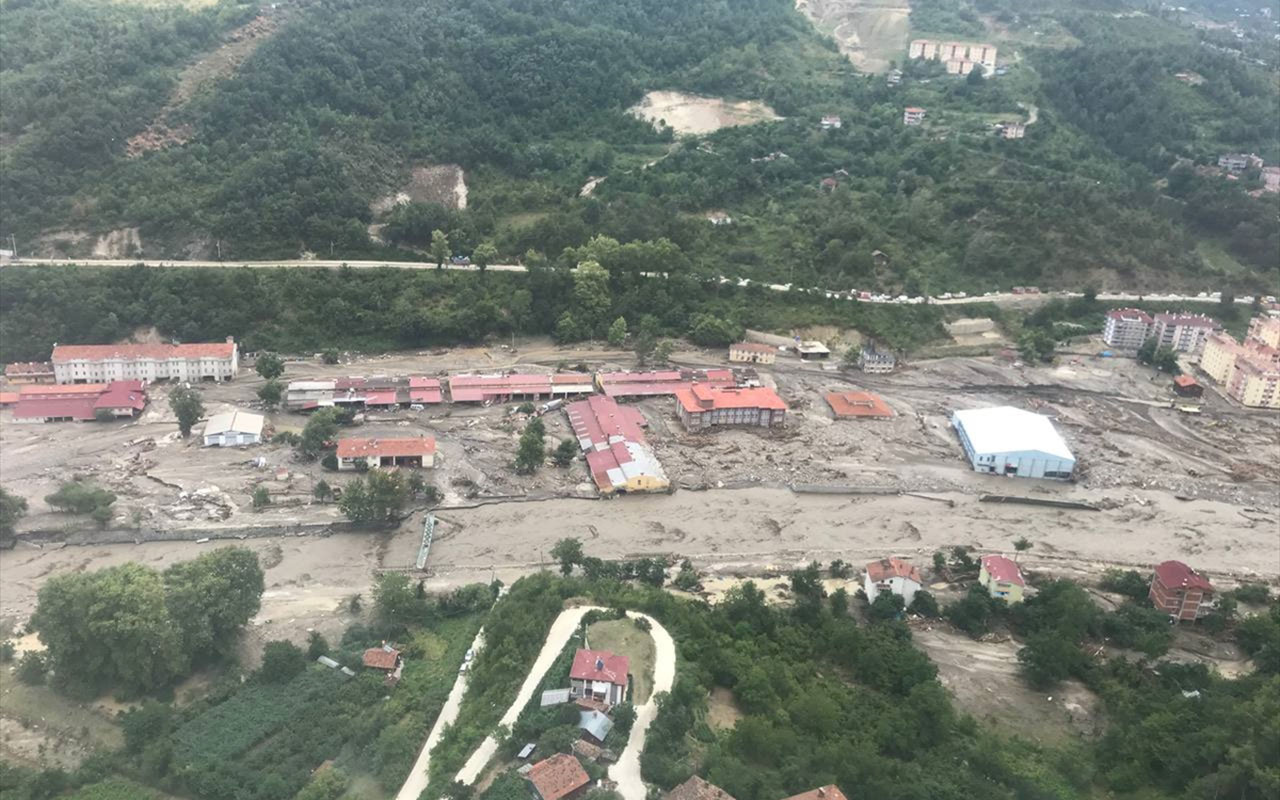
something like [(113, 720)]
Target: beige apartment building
[(104, 363)]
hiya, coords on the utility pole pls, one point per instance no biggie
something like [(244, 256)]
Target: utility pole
[(219, 244), (13, 245)]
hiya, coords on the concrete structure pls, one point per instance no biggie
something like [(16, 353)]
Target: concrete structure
[(1249, 371), (80, 402), (560, 777), (719, 218), (701, 407), (913, 115), (622, 385), (378, 391), (697, 789), (1255, 381), (599, 675), (858, 405), (233, 428), (506, 388), (1271, 179), (1187, 386), (813, 351), (417, 451), (752, 353), (1181, 592), (1002, 578), (24, 372), (892, 575), (1218, 358), (97, 363), (1239, 162), (960, 58), (618, 457), (1010, 441), (1126, 328), (1265, 330), (1185, 333), (1012, 130), (875, 361)]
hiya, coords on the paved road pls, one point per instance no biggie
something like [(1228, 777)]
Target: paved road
[(417, 780)]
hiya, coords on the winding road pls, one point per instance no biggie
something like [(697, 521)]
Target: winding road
[(626, 772)]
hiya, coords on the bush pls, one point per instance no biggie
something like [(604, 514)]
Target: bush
[(886, 606), (924, 604), (329, 357), (1126, 582), (261, 497), (840, 568), (317, 645), (7, 651), (32, 668), (281, 661), (79, 497), (288, 438), (1252, 593)]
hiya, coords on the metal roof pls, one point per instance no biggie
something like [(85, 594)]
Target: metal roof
[(595, 723), (234, 420), (1005, 429)]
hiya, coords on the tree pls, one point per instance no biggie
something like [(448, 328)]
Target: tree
[(144, 724), (567, 329), (281, 661), (12, 509), (326, 784), (530, 453), (394, 600), (317, 645), (618, 332), (212, 598), (329, 357), (840, 568), (565, 453), (319, 432), (322, 491), (269, 366), (887, 606), (1036, 344), (1129, 583), (187, 407), (102, 515), (1049, 658), (568, 552), (924, 604), (591, 297), (270, 392), (646, 339), (79, 497), (261, 498), (484, 254), (440, 251), (1021, 545), (711, 331), (32, 668), (662, 353), (375, 498)]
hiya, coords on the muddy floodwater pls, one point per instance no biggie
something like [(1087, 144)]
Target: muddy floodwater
[(691, 113)]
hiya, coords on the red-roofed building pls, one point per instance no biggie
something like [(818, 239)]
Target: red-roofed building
[(621, 385), (599, 675), (504, 388), (828, 792), (79, 403), (618, 457), (1002, 578), (1181, 592), (385, 658), (1185, 333), (860, 405), (29, 372), (379, 391), (560, 777), (9, 398), (1126, 328), (89, 363), (697, 789), (1187, 386), (913, 115), (892, 575), (415, 451), (701, 407)]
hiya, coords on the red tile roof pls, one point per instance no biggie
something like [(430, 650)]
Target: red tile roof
[(913, 108), (751, 347), (697, 789), (78, 401), (828, 792), (649, 384), (1185, 381), (77, 408), (100, 352), (611, 667), (398, 448), (383, 657), (62, 390), (1002, 570), (887, 568), (1176, 575), (122, 394), (21, 368), (859, 404), (477, 388), (558, 776), (8, 398), (1129, 313), (700, 397)]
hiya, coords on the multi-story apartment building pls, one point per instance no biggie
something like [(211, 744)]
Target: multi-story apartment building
[(1248, 371), (960, 58), (1219, 356), (1255, 381), (1185, 333), (1127, 328), (103, 363)]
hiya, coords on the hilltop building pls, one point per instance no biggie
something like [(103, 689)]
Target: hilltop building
[(599, 675), (960, 58), (913, 115), (99, 363)]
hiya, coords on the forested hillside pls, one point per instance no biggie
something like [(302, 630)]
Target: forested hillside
[(290, 153)]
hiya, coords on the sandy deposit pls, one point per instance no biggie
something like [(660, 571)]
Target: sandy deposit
[(871, 34), (693, 114)]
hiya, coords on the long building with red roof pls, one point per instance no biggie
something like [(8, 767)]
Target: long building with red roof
[(79, 403), (378, 391), (101, 363), (505, 388), (658, 383), (701, 407), (410, 451), (612, 438)]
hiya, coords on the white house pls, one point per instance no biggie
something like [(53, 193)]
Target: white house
[(233, 428), (891, 575), (1010, 441)]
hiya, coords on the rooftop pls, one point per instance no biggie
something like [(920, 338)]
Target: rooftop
[(557, 776), (104, 352), (392, 448), (1002, 570), (1005, 429), (697, 789), (1185, 381), (596, 723), (383, 657), (235, 420), (700, 397), (78, 401), (1176, 575), (753, 347), (600, 665), (859, 404), (19, 368), (828, 792), (475, 388), (887, 568), (1129, 314), (611, 435), (1192, 320)]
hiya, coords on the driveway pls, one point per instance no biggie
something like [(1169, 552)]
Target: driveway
[(627, 770)]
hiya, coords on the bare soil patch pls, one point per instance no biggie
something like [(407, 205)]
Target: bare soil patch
[(722, 709), (692, 114), (871, 34), (441, 184)]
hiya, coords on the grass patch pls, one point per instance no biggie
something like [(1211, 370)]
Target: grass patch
[(623, 637)]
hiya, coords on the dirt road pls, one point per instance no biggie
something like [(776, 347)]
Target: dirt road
[(627, 769), (417, 780)]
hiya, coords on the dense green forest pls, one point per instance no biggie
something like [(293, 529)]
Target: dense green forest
[(331, 112)]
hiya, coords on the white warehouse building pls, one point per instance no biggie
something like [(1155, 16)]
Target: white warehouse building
[(1011, 441)]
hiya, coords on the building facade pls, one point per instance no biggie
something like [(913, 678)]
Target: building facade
[(913, 115), (1126, 328), (892, 575), (1249, 372), (233, 429), (1181, 592), (80, 403), (599, 675), (1185, 333), (1218, 358), (752, 353), (960, 58), (876, 361), (29, 372), (416, 451), (1012, 441), (701, 407), (1002, 578), (100, 363), (1255, 381)]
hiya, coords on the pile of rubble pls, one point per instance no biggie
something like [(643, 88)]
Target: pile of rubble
[(208, 502)]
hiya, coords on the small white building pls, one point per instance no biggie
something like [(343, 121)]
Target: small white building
[(752, 353), (1010, 441), (891, 575), (233, 428), (813, 351), (912, 115)]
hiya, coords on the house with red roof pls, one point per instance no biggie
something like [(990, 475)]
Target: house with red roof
[(100, 363), (1181, 592), (701, 407), (828, 792), (599, 675), (892, 575), (413, 451), (1002, 578), (560, 777)]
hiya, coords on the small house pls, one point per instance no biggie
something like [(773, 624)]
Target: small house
[(414, 451), (595, 725), (1181, 592), (384, 657), (813, 351), (830, 122), (880, 258), (697, 789), (560, 777), (1187, 386), (912, 115), (599, 675), (1002, 578), (752, 353), (828, 792), (892, 575), (233, 429), (876, 361)]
